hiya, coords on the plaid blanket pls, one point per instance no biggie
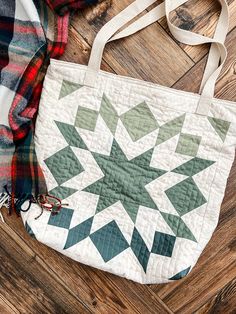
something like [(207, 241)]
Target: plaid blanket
[(63, 6), (30, 34)]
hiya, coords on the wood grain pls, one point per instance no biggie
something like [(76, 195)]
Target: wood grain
[(37, 279), (223, 302), (6, 306), (199, 16), (21, 271), (225, 87), (128, 57)]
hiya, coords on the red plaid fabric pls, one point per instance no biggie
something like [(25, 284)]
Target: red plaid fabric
[(29, 37)]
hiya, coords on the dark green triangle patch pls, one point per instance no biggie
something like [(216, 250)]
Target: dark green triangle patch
[(68, 87), (140, 249), (221, 127), (181, 274), (78, 233), (29, 230)]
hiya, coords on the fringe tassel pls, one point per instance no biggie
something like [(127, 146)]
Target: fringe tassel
[(16, 204), (45, 202)]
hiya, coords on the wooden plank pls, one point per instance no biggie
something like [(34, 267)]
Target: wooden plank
[(225, 87), (128, 57), (199, 16), (101, 292), (21, 272), (140, 293), (223, 302), (6, 307)]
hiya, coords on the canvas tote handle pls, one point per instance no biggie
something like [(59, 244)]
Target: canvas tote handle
[(157, 13), (217, 53)]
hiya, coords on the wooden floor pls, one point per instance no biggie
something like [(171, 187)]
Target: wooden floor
[(36, 279)]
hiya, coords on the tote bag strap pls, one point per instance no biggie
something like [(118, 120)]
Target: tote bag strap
[(157, 13), (217, 53), (190, 38)]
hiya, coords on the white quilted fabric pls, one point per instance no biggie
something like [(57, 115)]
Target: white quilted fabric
[(154, 241)]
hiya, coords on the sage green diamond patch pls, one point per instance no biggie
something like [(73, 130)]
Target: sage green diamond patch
[(139, 121), (185, 196), (86, 118), (188, 144), (64, 165)]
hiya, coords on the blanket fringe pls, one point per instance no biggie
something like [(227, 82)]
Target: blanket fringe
[(15, 204), (45, 202)]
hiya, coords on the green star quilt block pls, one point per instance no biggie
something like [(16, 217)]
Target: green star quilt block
[(124, 180)]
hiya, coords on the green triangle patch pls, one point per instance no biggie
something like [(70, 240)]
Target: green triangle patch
[(71, 135), (170, 129), (181, 274), (140, 249), (62, 192), (178, 226), (30, 231), (78, 233), (193, 166), (221, 127), (67, 88), (109, 114)]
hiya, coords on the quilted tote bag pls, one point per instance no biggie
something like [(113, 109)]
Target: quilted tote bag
[(141, 169)]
